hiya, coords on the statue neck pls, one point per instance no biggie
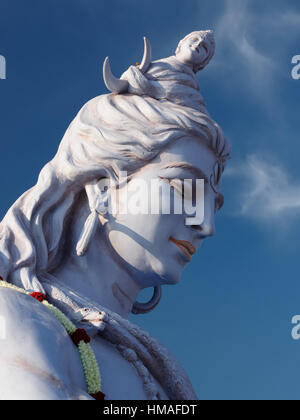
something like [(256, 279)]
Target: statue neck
[(98, 275), (98, 278)]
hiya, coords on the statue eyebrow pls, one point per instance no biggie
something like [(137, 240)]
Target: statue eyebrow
[(191, 168)]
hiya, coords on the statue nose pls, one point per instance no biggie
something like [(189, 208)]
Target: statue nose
[(207, 227)]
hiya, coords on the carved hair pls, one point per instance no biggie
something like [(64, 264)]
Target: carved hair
[(111, 133)]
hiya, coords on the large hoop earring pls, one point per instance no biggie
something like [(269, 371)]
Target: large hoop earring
[(144, 308)]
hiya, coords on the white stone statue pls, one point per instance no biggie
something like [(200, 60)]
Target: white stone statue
[(57, 239), (173, 78)]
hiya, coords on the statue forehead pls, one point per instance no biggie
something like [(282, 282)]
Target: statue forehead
[(192, 149), (189, 150)]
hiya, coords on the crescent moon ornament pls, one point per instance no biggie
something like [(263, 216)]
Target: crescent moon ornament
[(116, 85), (147, 58), (112, 83)]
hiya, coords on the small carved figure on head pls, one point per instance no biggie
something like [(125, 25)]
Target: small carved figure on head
[(172, 78), (196, 49)]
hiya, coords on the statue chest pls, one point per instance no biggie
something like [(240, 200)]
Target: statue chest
[(121, 379)]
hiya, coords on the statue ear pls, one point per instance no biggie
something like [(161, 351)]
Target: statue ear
[(97, 193), (97, 199)]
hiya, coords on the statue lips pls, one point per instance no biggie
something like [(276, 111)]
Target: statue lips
[(186, 247)]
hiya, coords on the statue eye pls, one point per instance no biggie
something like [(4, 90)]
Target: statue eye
[(219, 202), (177, 185), (185, 188)]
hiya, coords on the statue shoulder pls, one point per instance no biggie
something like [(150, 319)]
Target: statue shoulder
[(36, 353), (165, 67)]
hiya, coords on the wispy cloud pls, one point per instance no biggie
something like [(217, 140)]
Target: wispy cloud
[(233, 36), (289, 18), (254, 41), (268, 191)]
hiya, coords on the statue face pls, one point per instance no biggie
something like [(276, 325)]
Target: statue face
[(191, 51), (142, 241)]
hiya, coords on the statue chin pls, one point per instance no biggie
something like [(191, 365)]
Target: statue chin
[(59, 241)]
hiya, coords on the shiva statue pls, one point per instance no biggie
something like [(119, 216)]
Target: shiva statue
[(59, 242)]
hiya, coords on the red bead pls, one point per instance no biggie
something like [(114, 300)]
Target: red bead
[(78, 335), (98, 396), (38, 296)]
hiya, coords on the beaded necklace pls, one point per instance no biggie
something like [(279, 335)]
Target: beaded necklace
[(79, 337)]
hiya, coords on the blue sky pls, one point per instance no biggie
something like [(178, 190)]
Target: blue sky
[(229, 320)]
